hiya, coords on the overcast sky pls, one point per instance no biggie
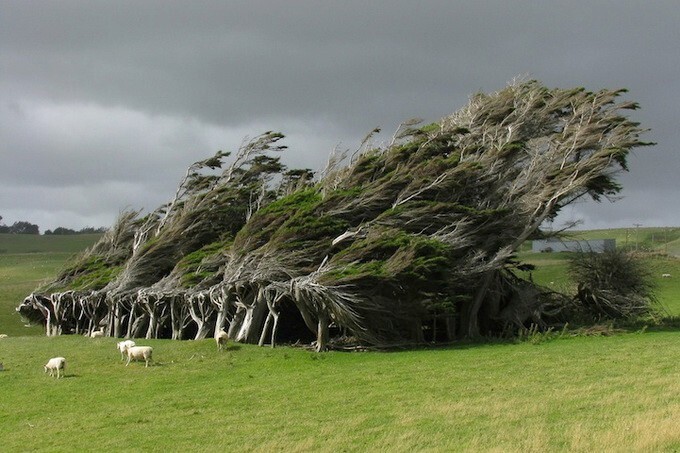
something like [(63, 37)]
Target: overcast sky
[(103, 105)]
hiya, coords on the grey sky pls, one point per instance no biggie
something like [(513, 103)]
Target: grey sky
[(103, 105)]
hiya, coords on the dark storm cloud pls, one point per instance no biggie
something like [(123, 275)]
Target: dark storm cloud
[(121, 92)]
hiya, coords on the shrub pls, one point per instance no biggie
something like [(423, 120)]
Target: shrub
[(613, 285)]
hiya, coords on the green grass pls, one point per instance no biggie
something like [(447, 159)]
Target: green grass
[(618, 393)]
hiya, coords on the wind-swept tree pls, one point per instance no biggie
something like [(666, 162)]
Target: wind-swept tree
[(410, 242)]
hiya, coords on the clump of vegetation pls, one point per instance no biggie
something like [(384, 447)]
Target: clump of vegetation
[(612, 285)]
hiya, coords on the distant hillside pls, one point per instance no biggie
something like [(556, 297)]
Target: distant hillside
[(33, 243), (653, 239)]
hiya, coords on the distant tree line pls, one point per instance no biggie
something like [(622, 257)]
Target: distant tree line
[(86, 230), (24, 227), (20, 227)]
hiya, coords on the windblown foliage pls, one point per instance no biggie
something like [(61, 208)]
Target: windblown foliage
[(405, 243)]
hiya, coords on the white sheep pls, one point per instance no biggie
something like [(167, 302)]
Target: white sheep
[(3, 335), (138, 353), (221, 338), (123, 346), (97, 334), (57, 364), (665, 275)]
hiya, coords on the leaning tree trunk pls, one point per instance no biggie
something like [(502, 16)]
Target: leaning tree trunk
[(219, 298), (272, 316), (46, 314), (117, 318), (237, 320), (322, 335), (81, 313), (253, 319), (56, 318), (132, 318), (178, 316), (137, 328), (301, 303), (471, 321), (249, 316), (260, 310), (147, 308), (245, 323), (201, 309), (163, 317), (78, 316)]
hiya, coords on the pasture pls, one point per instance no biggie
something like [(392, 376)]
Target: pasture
[(572, 394), (568, 392)]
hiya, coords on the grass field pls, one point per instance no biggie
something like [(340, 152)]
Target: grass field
[(568, 393), (619, 393)]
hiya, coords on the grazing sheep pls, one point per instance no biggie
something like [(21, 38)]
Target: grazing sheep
[(97, 334), (57, 364), (3, 335), (123, 346), (138, 353), (221, 338), (665, 275)]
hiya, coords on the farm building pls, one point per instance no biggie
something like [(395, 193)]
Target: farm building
[(557, 245)]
